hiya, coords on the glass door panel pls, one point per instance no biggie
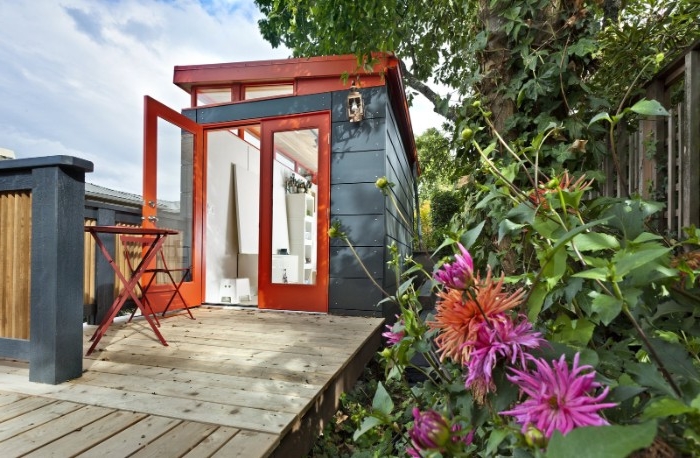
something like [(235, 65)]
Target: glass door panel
[(172, 148), (174, 197), (293, 265), (294, 215)]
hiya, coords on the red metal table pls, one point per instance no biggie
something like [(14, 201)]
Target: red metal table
[(130, 283)]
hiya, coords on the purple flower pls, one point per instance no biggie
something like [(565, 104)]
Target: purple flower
[(559, 399), (459, 274), (502, 339), (392, 334), (430, 431)]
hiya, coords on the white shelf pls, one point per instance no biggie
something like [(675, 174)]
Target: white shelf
[(301, 223)]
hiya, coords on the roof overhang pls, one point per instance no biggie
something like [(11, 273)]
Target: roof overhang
[(386, 70)]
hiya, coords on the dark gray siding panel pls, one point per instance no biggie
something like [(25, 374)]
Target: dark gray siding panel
[(366, 135), (362, 230), (255, 109), (351, 312), (364, 166), (357, 159), (399, 216), (345, 265), (355, 294), (375, 100), (356, 199)]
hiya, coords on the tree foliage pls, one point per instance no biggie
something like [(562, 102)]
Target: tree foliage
[(437, 165), (528, 61)]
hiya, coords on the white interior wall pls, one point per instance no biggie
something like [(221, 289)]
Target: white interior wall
[(280, 231), (225, 153)]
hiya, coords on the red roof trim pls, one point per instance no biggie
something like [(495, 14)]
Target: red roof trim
[(307, 68), (280, 70)]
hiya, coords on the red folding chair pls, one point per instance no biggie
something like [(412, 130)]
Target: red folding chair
[(133, 246)]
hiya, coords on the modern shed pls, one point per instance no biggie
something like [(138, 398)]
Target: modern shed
[(267, 156)]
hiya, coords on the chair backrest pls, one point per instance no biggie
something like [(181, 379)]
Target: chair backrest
[(134, 246)]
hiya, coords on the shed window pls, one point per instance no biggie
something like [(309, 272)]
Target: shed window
[(213, 95), (258, 92)]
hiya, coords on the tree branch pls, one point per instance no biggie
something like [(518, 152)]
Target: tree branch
[(429, 94)]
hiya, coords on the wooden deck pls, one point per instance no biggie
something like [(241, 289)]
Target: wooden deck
[(234, 382)]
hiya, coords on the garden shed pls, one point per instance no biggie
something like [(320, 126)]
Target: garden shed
[(267, 156)]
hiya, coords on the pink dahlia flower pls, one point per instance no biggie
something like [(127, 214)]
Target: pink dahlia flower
[(502, 339), (394, 333), (430, 431), (457, 275), (559, 399)]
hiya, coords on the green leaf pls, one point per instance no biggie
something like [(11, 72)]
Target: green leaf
[(506, 227), (606, 307), (471, 235), (536, 300), (382, 401), (577, 230), (595, 241), (630, 261), (649, 108), (696, 402), (648, 375), (676, 359), (598, 273), (646, 237), (598, 441), (665, 407), (600, 116), (575, 332), (495, 439), (522, 213), (367, 424)]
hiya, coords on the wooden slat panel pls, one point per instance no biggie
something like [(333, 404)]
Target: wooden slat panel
[(35, 438), (212, 443), (120, 260), (34, 418), (132, 439), (184, 437), (183, 376), (210, 397), (89, 266), (23, 406), (15, 263), (248, 443), (82, 439)]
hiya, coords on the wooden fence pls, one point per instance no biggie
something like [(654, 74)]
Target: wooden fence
[(661, 159), (15, 263)]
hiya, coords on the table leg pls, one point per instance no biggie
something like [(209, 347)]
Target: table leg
[(129, 286)]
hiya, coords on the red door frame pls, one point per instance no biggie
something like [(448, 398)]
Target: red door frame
[(299, 297), (192, 291)]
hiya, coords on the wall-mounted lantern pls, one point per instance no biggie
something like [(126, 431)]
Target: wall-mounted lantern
[(355, 105)]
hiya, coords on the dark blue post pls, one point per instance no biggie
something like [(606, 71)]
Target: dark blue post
[(104, 274), (57, 186)]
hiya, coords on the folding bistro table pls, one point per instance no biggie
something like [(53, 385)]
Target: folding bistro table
[(157, 237)]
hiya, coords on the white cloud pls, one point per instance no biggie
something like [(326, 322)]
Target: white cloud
[(73, 73)]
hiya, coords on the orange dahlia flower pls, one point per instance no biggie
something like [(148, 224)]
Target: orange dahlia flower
[(458, 316)]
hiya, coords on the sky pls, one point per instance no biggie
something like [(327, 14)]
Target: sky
[(73, 73)]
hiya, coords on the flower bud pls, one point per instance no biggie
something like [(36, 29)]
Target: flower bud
[(535, 438), (382, 182), (430, 430)]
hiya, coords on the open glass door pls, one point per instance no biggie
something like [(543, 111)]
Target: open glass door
[(172, 158), (294, 199)]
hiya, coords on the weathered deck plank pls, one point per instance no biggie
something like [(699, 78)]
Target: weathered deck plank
[(88, 436), (231, 383), (32, 439)]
